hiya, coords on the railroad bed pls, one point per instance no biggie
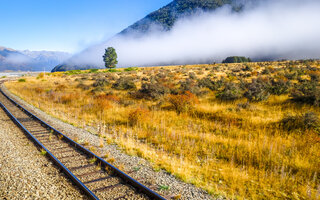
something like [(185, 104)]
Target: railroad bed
[(96, 177)]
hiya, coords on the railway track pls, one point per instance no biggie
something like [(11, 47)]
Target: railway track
[(93, 175)]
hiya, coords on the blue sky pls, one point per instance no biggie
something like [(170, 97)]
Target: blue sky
[(67, 25)]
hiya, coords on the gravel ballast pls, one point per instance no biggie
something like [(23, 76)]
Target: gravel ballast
[(146, 175), (25, 173)]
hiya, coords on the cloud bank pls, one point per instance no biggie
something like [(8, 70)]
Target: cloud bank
[(278, 29)]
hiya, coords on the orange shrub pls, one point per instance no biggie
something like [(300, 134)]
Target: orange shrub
[(102, 102), (38, 90), (137, 115), (68, 98), (183, 102), (113, 98), (61, 87)]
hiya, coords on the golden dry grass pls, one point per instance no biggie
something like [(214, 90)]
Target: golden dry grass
[(239, 153)]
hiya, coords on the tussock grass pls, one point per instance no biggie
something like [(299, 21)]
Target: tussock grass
[(232, 148)]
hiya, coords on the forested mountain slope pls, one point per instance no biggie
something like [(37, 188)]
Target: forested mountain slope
[(166, 16)]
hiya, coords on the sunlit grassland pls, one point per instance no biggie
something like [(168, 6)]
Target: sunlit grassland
[(218, 146)]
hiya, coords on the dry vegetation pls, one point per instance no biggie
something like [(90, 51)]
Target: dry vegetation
[(241, 130)]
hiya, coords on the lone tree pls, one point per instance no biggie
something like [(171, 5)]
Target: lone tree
[(110, 58)]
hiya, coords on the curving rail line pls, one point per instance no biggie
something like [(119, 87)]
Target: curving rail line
[(97, 178)]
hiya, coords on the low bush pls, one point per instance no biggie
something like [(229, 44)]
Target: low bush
[(72, 72), (124, 83), (206, 83), (98, 90), (145, 79), (131, 69), (68, 98), (137, 115), (102, 102), (309, 120), (61, 87), (192, 75), (83, 86), (22, 80), (100, 82), (113, 98), (153, 90), (93, 70), (315, 76), (39, 90), (279, 86), (268, 70), (257, 90), (243, 105), (113, 70), (182, 102), (219, 84), (190, 85), (231, 92), (247, 68), (307, 92)]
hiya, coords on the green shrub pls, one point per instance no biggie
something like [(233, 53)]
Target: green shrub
[(131, 69), (22, 80), (206, 83), (124, 83), (279, 87), (309, 120), (113, 70), (307, 92), (257, 90), (315, 76), (210, 84), (83, 86), (190, 85), (101, 82), (152, 90), (192, 75), (231, 92), (93, 70), (247, 68), (72, 72)]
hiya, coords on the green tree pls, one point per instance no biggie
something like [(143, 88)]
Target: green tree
[(110, 57), (236, 59)]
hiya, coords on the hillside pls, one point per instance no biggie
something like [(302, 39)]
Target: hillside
[(11, 59), (167, 16), (243, 131), (164, 19)]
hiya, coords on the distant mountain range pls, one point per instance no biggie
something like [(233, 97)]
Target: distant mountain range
[(11, 59), (161, 20)]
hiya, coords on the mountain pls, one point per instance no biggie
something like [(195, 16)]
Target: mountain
[(165, 17), (161, 20), (11, 59)]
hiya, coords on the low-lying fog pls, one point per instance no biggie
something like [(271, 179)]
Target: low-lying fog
[(279, 29)]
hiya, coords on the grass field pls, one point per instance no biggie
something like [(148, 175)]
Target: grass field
[(241, 130)]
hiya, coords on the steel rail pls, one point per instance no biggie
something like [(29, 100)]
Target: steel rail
[(129, 180)]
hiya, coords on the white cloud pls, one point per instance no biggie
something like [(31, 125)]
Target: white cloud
[(283, 28)]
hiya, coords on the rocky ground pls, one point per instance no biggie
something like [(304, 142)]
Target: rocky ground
[(140, 169), (25, 173)]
